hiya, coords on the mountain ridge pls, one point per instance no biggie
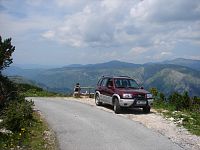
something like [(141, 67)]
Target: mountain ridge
[(194, 64), (163, 76)]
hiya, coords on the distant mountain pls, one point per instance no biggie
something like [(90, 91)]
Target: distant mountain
[(194, 64), (23, 80), (166, 77), (113, 64), (174, 78), (17, 71), (34, 66), (74, 65), (110, 64)]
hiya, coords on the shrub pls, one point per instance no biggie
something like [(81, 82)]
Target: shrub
[(154, 91), (7, 91), (186, 100), (16, 112), (196, 104), (23, 87), (180, 101), (162, 97), (18, 115)]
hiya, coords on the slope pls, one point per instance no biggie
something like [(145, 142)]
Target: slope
[(165, 77)]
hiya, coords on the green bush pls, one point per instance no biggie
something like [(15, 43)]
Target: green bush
[(195, 104), (23, 87), (180, 102), (16, 112), (188, 110), (7, 91), (28, 90), (18, 115)]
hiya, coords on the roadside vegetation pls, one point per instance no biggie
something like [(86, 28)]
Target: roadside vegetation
[(36, 137), (28, 90), (179, 108), (20, 126)]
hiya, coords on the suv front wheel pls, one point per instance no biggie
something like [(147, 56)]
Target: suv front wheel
[(116, 107), (146, 109)]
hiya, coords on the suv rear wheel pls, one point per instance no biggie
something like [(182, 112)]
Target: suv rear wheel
[(97, 100), (117, 107)]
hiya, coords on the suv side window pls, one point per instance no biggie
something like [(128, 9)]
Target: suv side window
[(104, 82), (99, 83), (110, 82)]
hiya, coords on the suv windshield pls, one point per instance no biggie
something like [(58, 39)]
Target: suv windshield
[(126, 83)]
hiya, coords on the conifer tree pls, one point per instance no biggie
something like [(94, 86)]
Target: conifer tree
[(6, 50)]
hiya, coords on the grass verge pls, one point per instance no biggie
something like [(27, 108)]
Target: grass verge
[(33, 91), (188, 119), (37, 137)]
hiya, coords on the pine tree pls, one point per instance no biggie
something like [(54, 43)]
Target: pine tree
[(6, 50)]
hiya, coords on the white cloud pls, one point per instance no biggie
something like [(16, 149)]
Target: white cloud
[(66, 2), (13, 26), (107, 23), (197, 57), (140, 11), (73, 5), (85, 28), (147, 27), (162, 55), (49, 34), (137, 51), (111, 5), (165, 53), (34, 2), (165, 11)]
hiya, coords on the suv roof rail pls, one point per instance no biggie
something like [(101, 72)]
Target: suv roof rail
[(125, 76), (115, 76), (106, 76)]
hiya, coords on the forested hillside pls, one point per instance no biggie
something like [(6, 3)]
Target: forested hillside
[(165, 77)]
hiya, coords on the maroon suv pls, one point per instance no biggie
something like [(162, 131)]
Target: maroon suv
[(122, 92)]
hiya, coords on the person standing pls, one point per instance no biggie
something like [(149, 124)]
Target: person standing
[(77, 90)]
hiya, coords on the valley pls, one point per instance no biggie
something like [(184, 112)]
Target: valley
[(166, 76)]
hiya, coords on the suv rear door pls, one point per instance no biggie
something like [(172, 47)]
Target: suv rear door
[(102, 89), (109, 91)]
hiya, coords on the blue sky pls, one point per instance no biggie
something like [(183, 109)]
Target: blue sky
[(62, 32)]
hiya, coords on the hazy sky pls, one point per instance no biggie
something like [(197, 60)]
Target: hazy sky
[(61, 32)]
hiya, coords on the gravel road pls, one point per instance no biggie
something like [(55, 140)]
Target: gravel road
[(80, 126)]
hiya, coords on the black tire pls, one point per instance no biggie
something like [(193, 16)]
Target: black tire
[(97, 100), (146, 109), (116, 108)]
